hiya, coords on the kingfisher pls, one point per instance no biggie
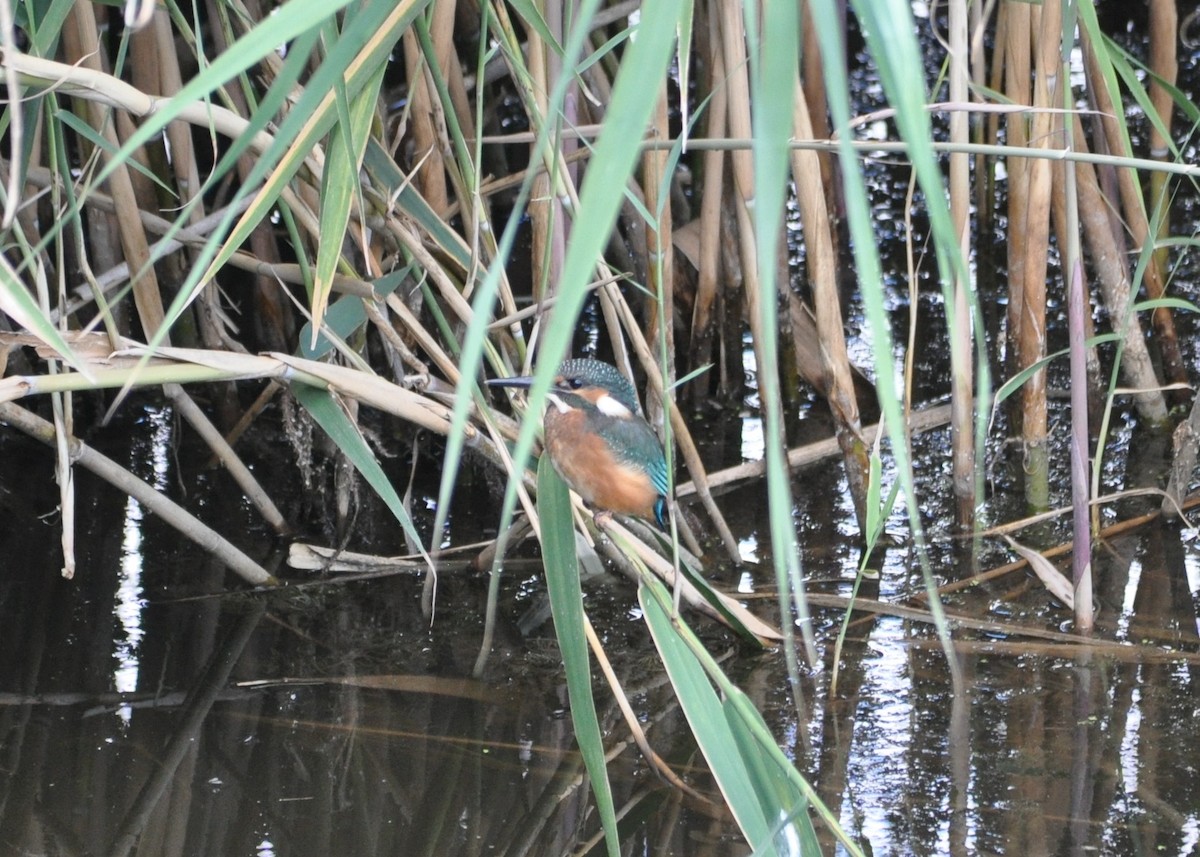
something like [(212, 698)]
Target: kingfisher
[(599, 441)]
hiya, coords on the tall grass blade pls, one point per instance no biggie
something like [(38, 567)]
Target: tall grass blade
[(339, 187), (712, 730), (773, 77), (566, 600), (683, 62)]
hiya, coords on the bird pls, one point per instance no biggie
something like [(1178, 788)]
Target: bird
[(599, 441)]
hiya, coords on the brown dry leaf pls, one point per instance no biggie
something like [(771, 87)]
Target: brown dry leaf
[(1053, 579)]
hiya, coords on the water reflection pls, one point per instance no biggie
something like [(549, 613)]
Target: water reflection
[(129, 605), (334, 720), (152, 453)]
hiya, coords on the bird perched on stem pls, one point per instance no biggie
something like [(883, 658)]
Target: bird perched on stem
[(599, 441)]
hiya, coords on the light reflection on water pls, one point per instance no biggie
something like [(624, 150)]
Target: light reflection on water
[(879, 759), (748, 551), (129, 607), (153, 450), (1127, 605), (1129, 744), (1191, 829), (753, 447)]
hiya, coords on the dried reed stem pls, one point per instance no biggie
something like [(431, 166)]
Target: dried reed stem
[(1164, 28), (837, 379), (711, 196), (660, 268), (1015, 26), (1046, 29), (81, 40), (962, 376)]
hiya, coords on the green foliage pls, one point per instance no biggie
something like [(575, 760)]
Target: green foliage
[(566, 598)]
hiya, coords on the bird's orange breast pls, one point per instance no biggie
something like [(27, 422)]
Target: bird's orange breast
[(586, 463)]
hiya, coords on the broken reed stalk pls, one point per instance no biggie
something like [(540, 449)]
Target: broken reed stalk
[(1134, 216), (64, 475), (1112, 273)]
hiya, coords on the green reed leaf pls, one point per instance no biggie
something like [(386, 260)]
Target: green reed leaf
[(566, 600)]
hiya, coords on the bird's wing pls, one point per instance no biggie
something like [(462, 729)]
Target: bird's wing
[(636, 434)]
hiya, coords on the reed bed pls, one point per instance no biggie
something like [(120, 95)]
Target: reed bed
[(325, 203)]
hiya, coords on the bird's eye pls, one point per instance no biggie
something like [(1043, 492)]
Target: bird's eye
[(574, 383)]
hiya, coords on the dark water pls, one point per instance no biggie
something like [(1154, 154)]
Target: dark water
[(141, 709)]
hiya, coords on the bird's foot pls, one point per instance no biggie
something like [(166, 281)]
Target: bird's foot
[(602, 519)]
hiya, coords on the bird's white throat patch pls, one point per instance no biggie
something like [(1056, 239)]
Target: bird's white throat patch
[(610, 406), (562, 406)]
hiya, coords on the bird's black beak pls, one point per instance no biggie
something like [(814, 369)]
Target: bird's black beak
[(523, 381)]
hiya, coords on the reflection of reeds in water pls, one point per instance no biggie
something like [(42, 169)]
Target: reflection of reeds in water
[(368, 182)]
